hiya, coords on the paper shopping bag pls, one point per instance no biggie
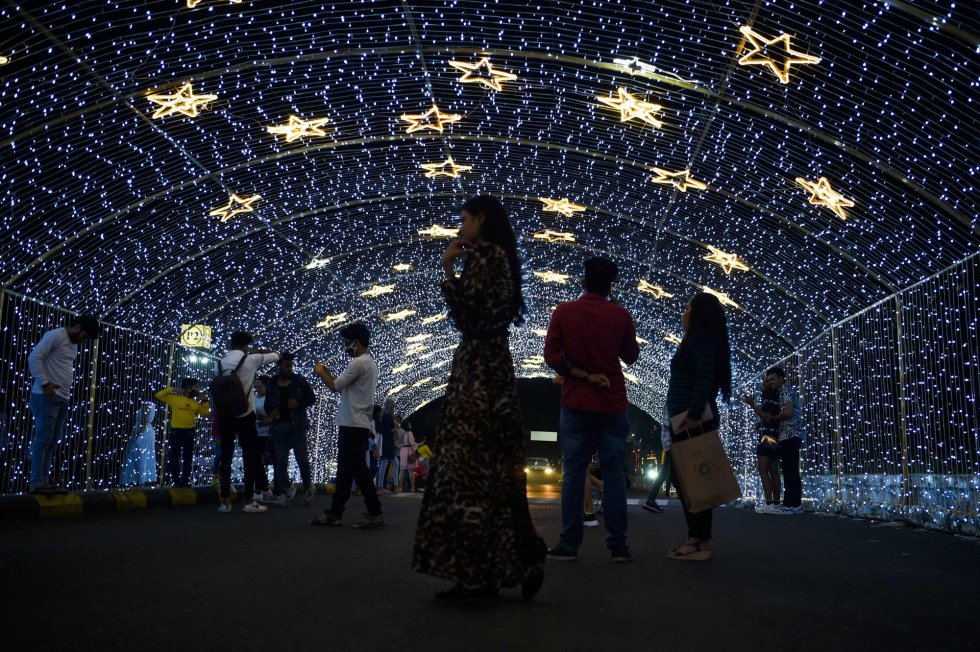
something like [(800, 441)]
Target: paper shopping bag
[(703, 469)]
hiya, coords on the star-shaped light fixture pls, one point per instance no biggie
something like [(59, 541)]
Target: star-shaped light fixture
[(416, 349), (298, 128), (448, 168), (436, 231), (434, 319), (759, 56), (235, 206), (552, 277), (403, 367), (401, 267), (640, 340), (4, 60), (440, 387), (630, 377), (184, 101), (421, 337), (681, 180), (554, 236), (821, 194), (726, 261), (424, 381), (631, 108), (425, 122), (657, 291), (673, 339), (540, 332), (396, 389), (482, 73), (535, 360), (401, 315), (563, 206), (332, 320), (194, 3), (317, 263), (722, 297), (634, 66), (378, 290)]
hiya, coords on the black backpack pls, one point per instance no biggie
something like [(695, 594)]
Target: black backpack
[(228, 393)]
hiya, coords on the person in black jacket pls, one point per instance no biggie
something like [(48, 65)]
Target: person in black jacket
[(288, 396)]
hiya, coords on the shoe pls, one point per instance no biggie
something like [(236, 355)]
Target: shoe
[(621, 554), (224, 508), (254, 508), (698, 554), (459, 592), (369, 522), (779, 510), (562, 554), (43, 489), (329, 520), (291, 492), (792, 510), (652, 507), (532, 582), (763, 509), (281, 501), (308, 497), (265, 497), (590, 520)]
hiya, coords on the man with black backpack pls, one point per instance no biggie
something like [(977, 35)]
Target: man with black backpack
[(234, 404)]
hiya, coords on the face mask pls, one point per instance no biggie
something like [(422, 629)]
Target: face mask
[(351, 349)]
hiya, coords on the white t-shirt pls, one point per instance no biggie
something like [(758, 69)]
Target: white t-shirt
[(260, 427), (247, 371), (357, 386)]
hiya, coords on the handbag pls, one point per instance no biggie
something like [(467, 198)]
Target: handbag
[(704, 472)]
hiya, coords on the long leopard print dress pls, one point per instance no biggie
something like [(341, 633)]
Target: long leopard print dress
[(475, 527)]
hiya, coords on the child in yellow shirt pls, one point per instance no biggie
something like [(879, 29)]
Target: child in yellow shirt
[(186, 404)]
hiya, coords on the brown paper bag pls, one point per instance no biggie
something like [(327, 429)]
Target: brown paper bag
[(703, 470)]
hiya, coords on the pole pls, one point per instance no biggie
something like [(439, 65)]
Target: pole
[(90, 427), (838, 445), (166, 416), (902, 408)]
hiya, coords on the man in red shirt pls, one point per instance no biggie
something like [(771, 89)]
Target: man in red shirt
[(586, 340)]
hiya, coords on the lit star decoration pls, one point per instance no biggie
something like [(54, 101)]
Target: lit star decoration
[(423, 122), (640, 340), (673, 339), (728, 262), (681, 180), (821, 194), (424, 381), (332, 320), (401, 267), (630, 377), (415, 350), (722, 297), (298, 128), (554, 236), (4, 60), (401, 315), (194, 3), (552, 277), (534, 360), (483, 73), (401, 368), (448, 168), (317, 263), (184, 101), (421, 337), (657, 291), (631, 108), (540, 332), (434, 318), (788, 56), (235, 206), (563, 206), (436, 231), (634, 66), (439, 388), (395, 390), (378, 290)]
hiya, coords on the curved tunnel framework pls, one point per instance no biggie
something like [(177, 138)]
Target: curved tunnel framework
[(109, 206)]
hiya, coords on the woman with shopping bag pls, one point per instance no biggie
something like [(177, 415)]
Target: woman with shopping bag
[(698, 371)]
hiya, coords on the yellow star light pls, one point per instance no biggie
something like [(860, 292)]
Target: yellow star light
[(183, 101), (298, 128), (418, 348), (640, 340), (194, 3), (563, 206), (536, 360), (395, 390), (332, 320), (415, 339), (434, 318), (378, 290), (400, 316), (552, 277), (631, 108), (436, 231), (421, 121), (554, 236), (630, 377), (727, 262), (235, 206), (472, 74), (424, 381), (657, 291), (447, 168), (317, 263), (722, 297), (540, 332), (402, 267), (758, 56), (401, 368), (440, 387), (673, 339), (4, 60), (681, 180), (821, 194)]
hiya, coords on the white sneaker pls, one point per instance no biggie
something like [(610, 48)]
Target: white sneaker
[(792, 510), (291, 492), (282, 501), (308, 497), (265, 497), (253, 507), (224, 508), (779, 510), (763, 508)]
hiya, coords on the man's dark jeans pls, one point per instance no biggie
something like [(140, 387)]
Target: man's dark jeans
[(789, 457), (352, 467)]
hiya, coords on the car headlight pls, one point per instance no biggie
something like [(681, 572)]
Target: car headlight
[(548, 471), (652, 474)]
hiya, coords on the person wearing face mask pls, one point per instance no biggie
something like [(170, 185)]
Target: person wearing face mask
[(185, 406), (357, 386), (288, 397), (52, 365)]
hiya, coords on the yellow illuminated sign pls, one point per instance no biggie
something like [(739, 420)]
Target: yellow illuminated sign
[(195, 336)]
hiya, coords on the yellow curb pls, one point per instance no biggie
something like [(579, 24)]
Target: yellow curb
[(127, 500), (51, 506), (182, 496)]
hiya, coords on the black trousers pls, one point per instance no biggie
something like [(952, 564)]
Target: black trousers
[(180, 455), (352, 467), (699, 523), (663, 480), (243, 429), (789, 459)]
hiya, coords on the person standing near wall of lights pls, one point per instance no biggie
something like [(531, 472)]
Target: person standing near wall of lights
[(790, 440), (52, 364), (288, 397), (185, 406), (388, 468)]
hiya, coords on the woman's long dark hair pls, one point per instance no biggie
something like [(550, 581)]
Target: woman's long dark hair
[(497, 229), (708, 316)]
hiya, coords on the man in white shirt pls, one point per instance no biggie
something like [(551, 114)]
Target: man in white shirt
[(52, 364), (242, 426), (357, 386)]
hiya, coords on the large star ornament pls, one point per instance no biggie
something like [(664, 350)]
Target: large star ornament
[(378, 290), (554, 236), (759, 57), (552, 277), (425, 122), (436, 231), (434, 318), (726, 261), (184, 101), (482, 73), (332, 320), (821, 194), (563, 206), (235, 206), (298, 128), (448, 168), (631, 108), (722, 297), (681, 180), (401, 315), (657, 291)]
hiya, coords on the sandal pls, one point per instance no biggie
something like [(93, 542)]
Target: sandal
[(328, 520), (690, 550)]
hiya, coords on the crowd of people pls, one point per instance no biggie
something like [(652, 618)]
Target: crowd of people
[(474, 527)]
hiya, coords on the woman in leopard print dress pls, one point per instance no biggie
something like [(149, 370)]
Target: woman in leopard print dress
[(475, 527)]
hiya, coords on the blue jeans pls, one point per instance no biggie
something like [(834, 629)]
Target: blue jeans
[(385, 465), (582, 435), (286, 436), (50, 417)]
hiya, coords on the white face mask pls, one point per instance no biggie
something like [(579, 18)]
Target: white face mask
[(351, 349)]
